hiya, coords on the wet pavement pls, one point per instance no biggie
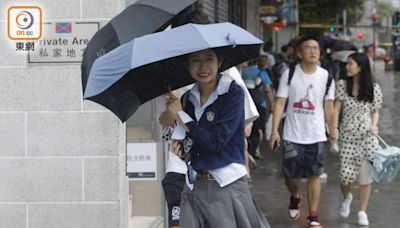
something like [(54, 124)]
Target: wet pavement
[(272, 196)]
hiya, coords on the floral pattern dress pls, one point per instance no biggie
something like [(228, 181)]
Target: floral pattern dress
[(356, 142)]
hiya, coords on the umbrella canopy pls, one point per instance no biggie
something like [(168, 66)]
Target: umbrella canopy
[(141, 18), (325, 41), (151, 65), (342, 56), (341, 45)]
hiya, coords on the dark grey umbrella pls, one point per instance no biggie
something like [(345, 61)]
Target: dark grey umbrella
[(151, 65), (141, 18), (342, 45)]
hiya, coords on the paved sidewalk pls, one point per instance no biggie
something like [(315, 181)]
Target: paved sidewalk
[(146, 222)]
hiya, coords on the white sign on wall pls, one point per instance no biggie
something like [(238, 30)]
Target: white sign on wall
[(141, 161), (63, 42)]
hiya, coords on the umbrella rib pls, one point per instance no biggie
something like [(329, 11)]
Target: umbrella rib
[(203, 37)]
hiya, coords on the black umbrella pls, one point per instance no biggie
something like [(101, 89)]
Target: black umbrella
[(325, 41), (151, 65), (141, 18), (341, 45)]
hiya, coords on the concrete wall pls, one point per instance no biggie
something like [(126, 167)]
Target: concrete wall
[(62, 160)]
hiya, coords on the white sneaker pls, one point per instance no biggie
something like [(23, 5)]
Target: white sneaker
[(294, 213), (344, 210), (363, 218), (294, 207), (323, 176)]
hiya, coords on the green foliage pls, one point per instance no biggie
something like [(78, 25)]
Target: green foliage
[(385, 9), (326, 11)]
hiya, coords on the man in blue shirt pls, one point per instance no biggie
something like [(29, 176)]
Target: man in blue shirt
[(259, 84)]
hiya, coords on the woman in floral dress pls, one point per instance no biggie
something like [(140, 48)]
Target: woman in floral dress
[(359, 100)]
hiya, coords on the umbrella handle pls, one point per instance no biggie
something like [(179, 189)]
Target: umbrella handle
[(382, 141)]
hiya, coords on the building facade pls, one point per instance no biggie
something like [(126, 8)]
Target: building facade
[(62, 159)]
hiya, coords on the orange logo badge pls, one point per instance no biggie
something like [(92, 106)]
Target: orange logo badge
[(24, 22)]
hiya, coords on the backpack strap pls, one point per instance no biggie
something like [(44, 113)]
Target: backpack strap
[(254, 79), (328, 83), (292, 67)]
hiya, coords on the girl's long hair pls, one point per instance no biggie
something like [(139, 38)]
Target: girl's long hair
[(366, 90)]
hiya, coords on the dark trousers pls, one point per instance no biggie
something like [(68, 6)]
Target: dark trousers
[(254, 138), (173, 185)]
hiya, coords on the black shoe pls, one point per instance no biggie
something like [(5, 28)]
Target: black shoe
[(313, 221), (294, 207)]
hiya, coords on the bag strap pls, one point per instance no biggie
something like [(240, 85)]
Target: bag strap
[(382, 141), (328, 83), (258, 75), (291, 72)]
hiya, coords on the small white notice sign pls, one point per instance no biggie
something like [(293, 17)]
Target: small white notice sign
[(141, 161)]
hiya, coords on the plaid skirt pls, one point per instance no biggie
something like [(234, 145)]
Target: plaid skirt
[(210, 206)]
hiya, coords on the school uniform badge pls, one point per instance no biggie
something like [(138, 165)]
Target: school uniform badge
[(210, 116)]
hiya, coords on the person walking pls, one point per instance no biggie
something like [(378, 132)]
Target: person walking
[(358, 99), (213, 118), (308, 97), (175, 171), (258, 83)]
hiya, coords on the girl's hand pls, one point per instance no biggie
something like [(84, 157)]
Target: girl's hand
[(333, 138), (176, 148), (173, 106), (374, 130)]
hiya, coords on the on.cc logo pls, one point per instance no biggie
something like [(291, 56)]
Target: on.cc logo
[(24, 22)]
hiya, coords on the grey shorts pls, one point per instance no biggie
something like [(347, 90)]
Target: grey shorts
[(303, 160)]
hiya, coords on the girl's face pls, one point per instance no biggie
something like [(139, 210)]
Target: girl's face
[(352, 68), (203, 66)]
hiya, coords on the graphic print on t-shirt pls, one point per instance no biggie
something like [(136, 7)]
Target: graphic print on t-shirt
[(305, 106)]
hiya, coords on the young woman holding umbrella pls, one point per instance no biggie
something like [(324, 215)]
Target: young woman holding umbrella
[(359, 99), (214, 119)]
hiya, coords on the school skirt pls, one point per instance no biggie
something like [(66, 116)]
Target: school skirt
[(210, 206)]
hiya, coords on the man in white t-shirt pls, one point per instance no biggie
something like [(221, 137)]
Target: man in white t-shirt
[(309, 106)]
